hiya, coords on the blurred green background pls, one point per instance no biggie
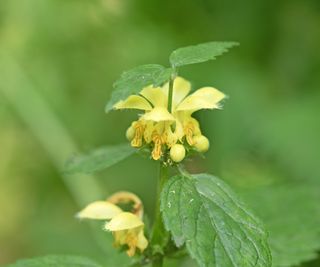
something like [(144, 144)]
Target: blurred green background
[(58, 60)]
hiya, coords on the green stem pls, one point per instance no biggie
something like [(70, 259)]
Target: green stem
[(157, 262), (170, 94), (159, 236)]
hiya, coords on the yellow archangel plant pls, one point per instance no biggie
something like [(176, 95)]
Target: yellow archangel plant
[(175, 130), (126, 227), (194, 213)]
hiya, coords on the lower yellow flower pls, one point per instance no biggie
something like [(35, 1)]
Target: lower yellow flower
[(126, 227)]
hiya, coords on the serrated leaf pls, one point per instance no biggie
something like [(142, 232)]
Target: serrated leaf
[(98, 159), (132, 81), (199, 53), (204, 213), (56, 261)]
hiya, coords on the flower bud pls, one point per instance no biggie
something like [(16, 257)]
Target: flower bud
[(177, 152), (201, 143), (130, 133)]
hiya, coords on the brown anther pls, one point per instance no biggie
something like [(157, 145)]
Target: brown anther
[(157, 150), (138, 135), (189, 132)]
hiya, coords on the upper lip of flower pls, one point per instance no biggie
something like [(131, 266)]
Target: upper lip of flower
[(99, 210), (106, 210), (124, 221), (154, 101)]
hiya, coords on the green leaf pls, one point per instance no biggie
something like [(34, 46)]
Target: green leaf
[(199, 53), (98, 159), (132, 81), (56, 261), (204, 213)]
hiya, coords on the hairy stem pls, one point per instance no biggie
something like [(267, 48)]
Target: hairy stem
[(159, 236)]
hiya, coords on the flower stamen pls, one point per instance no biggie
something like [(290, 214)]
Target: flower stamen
[(189, 132), (138, 135), (157, 150)]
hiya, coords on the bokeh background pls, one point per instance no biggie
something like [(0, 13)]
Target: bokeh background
[(58, 60)]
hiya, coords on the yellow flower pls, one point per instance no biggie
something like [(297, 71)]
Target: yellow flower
[(99, 210), (159, 127), (126, 227)]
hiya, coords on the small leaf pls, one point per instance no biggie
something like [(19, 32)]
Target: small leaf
[(98, 159), (56, 261), (204, 213), (132, 81), (199, 53)]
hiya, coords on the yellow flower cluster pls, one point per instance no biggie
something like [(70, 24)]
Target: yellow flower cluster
[(126, 227), (163, 129)]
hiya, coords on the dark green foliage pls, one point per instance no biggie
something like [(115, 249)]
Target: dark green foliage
[(132, 81), (202, 212), (98, 159), (199, 53)]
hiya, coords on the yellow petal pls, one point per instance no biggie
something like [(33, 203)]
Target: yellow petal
[(191, 129), (133, 102), (124, 221), (179, 127), (147, 135), (133, 238), (131, 250), (181, 88), (156, 96), (169, 137), (204, 98), (99, 210), (142, 241), (158, 114)]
